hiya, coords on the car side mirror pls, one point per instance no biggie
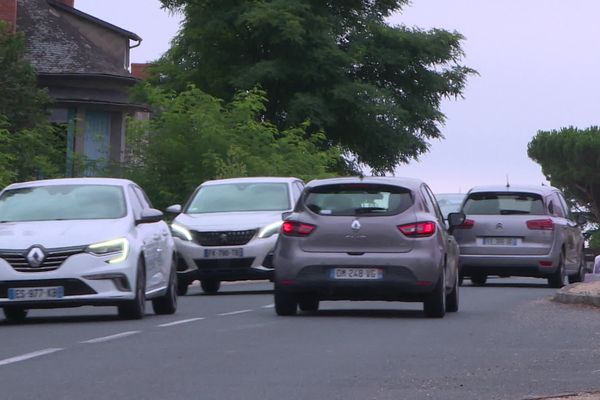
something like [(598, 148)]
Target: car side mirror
[(149, 216), (174, 209), (455, 219)]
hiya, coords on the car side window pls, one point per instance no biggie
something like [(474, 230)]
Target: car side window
[(432, 203), (142, 197), (564, 208), (296, 191), (555, 207), (136, 204)]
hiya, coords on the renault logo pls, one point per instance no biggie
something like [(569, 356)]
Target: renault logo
[(355, 225), (35, 257)]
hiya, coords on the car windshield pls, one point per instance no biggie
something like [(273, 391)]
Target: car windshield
[(62, 202), (504, 204), (247, 196), (358, 199), (449, 202)]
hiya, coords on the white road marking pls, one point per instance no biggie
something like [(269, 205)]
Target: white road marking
[(111, 337), (183, 321), (596, 371), (28, 356), (269, 306), (235, 312)]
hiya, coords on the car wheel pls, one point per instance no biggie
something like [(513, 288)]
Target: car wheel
[(167, 304), (479, 279), (557, 279), (580, 275), (434, 305), (452, 298), (136, 308), (285, 302), (15, 314), (210, 286), (182, 287), (310, 304)]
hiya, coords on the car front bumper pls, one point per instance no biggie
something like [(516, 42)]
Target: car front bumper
[(85, 279), (254, 264)]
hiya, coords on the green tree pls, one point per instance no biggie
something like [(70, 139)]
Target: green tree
[(194, 137), (372, 88), (570, 160), (29, 145)]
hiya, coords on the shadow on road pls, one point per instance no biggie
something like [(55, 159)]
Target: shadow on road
[(229, 293), (71, 319), (365, 313)]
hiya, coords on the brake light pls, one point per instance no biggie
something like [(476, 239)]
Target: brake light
[(468, 224), (420, 229), (295, 228), (540, 224)]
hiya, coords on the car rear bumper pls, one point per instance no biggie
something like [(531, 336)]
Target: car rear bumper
[(532, 266)]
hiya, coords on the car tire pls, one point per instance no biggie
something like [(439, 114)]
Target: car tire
[(136, 308), (210, 286), (167, 304), (285, 302), (182, 287), (557, 279), (15, 314), (434, 305), (453, 297), (479, 279), (309, 304), (580, 275)]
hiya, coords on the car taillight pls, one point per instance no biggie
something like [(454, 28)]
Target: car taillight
[(541, 224), (295, 228), (420, 229), (468, 224)]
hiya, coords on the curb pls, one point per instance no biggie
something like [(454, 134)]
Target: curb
[(579, 293)]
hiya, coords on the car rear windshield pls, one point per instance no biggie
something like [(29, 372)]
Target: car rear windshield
[(358, 199), (232, 197), (504, 204), (62, 202)]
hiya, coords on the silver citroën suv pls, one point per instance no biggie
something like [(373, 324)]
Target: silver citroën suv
[(520, 231), (375, 238)]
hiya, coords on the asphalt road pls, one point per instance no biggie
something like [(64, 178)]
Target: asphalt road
[(508, 341)]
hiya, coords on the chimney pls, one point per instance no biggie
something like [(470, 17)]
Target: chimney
[(8, 13), (140, 71)]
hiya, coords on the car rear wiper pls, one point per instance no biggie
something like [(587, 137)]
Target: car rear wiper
[(366, 210), (508, 212)]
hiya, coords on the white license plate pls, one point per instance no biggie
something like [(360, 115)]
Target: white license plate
[(36, 293), (223, 253), (357, 273), (501, 241)]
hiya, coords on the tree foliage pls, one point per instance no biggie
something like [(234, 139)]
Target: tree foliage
[(29, 145), (194, 137), (372, 88), (570, 160)]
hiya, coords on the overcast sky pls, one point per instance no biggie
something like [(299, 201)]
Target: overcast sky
[(539, 65)]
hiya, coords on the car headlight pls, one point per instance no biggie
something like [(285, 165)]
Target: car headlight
[(119, 248), (270, 230), (181, 232)]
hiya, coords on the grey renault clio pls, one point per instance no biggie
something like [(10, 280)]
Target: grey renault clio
[(522, 230), (371, 238)]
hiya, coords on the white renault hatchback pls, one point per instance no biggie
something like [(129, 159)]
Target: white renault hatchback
[(228, 229), (84, 241)]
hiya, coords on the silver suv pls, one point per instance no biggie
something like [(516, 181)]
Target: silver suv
[(520, 231), (228, 228), (366, 239)]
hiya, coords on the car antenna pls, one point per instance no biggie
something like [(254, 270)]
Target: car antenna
[(507, 182)]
